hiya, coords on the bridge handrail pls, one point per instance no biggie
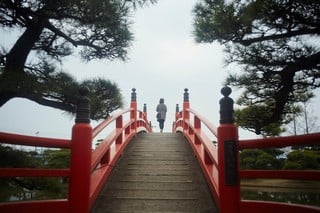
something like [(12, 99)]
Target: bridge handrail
[(225, 186), (278, 142), (81, 196), (211, 127), (202, 145), (97, 129), (205, 150), (24, 140), (99, 151), (205, 121), (109, 150), (28, 206)]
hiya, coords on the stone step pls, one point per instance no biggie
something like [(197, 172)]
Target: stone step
[(153, 194), (173, 185), (156, 173), (160, 205)]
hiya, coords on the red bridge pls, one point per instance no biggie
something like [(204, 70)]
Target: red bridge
[(135, 170)]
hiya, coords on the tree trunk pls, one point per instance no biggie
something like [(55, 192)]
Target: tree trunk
[(287, 82), (282, 96), (13, 78), (17, 57)]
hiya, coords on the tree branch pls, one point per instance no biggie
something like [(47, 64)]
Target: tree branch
[(247, 42), (61, 34), (287, 80)]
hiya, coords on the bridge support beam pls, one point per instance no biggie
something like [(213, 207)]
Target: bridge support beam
[(80, 160), (229, 182)]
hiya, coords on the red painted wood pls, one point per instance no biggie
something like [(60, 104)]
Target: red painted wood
[(48, 206), (310, 139), (275, 207), (88, 169), (80, 168), (284, 174), (229, 196), (33, 141), (30, 172), (212, 162)]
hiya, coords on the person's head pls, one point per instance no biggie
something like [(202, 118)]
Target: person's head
[(161, 101)]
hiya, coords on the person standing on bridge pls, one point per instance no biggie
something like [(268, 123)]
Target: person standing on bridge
[(161, 113)]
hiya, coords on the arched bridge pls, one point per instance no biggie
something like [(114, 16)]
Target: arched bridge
[(136, 170)]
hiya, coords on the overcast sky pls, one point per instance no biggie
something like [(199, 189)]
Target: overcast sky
[(163, 60)]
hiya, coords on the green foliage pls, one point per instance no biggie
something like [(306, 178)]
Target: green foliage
[(36, 188), (56, 158), (12, 158), (275, 44), (253, 119), (105, 97), (52, 30), (60, 90), (261, 159), (303, 159), (98, 28), (265, 161)]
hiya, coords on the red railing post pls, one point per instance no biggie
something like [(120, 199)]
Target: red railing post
[(175, 122), (197, 123), (228, 158), (145, 116), (197, 128), (80, 160), (177, 112), (119, 125), (186, 105), (133, 112)]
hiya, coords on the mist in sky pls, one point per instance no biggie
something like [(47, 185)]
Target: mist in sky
[(164, 60)]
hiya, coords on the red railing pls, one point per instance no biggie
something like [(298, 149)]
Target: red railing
[(220, 163), (279, 142), (89, 168)]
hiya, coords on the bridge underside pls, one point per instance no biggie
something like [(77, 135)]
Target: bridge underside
[(157, 173)]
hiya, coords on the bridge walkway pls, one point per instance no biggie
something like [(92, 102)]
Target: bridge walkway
[(157, 172)]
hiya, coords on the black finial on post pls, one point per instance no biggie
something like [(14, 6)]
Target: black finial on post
[(133, 95), (226, 106), (83, 106), (144, 107), (186, 95), (177, 108)]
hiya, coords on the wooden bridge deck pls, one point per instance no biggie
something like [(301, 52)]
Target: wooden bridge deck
[(157, 173)]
